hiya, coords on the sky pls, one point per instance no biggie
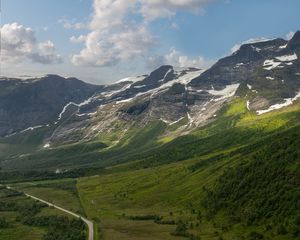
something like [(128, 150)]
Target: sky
[(102, 41)]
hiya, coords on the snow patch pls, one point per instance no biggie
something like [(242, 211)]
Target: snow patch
[(25, 130), (185, 79), (256, 49), (31, 128), (125, 100), (249, 86), (167, 73), (110, 93), (165, 121), (85, 114), (172, 123), (132, 79), (287, 102), (65, 109), (239, 65), (270, 78), (85, 102), (227, 92), (283, 46), (271, 64), (248, 105), (287, 58), (47, 145), (191, 120), (141, 86)]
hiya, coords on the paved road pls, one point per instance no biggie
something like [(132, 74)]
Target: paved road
[(88, 222)]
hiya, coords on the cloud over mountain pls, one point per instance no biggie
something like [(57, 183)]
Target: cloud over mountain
[(115, 34), (19, 43)]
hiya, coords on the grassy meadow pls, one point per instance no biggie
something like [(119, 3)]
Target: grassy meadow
[(219, 182)]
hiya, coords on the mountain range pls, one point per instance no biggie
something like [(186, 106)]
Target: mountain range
[(71, 111), (213, 151)]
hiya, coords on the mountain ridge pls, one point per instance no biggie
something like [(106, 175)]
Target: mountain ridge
[(265, 74)]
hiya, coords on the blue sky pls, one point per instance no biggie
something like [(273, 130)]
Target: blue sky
[(119, 39)]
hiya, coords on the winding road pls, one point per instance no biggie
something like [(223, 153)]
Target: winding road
[(87, 222)]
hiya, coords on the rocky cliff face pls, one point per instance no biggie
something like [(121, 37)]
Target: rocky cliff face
[(38, 101), (266, 74), (270, 69)]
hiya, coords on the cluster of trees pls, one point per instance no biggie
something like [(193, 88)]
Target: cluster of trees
[(17, 176), (59, 227), (263, 188), (3, 223), (182, 231), (69, 186), (145, 217)]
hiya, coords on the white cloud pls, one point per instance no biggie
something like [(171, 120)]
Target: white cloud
[(72, 24), (152, 10), (115, 36), (108, 48), (79, 39), (19, 43), (175, 58), (110, 13), (111, 39), (46, 54), (16, 41), (132, 42)]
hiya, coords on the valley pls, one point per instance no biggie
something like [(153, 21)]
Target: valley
[(179, 153)]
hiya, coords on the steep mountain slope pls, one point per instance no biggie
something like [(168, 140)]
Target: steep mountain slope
[(266, 72), (269, 69), (38, 101), (147, 111)]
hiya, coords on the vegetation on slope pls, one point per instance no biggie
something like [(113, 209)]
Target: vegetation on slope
[(235, 126), (234, 194), (236, 178), (24, 218), (263, 189)]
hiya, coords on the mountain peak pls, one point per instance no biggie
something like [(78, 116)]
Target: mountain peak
[(295, 41), (162, 74), (161, 71)]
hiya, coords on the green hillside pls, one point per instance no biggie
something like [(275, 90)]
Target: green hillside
[(237, 178), (235, 126), (246, 193)]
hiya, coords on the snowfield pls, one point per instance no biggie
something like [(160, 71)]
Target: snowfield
[(227, 92), (270, 64), (132, 79), (287, 102), (185, 79), (287, 58)]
